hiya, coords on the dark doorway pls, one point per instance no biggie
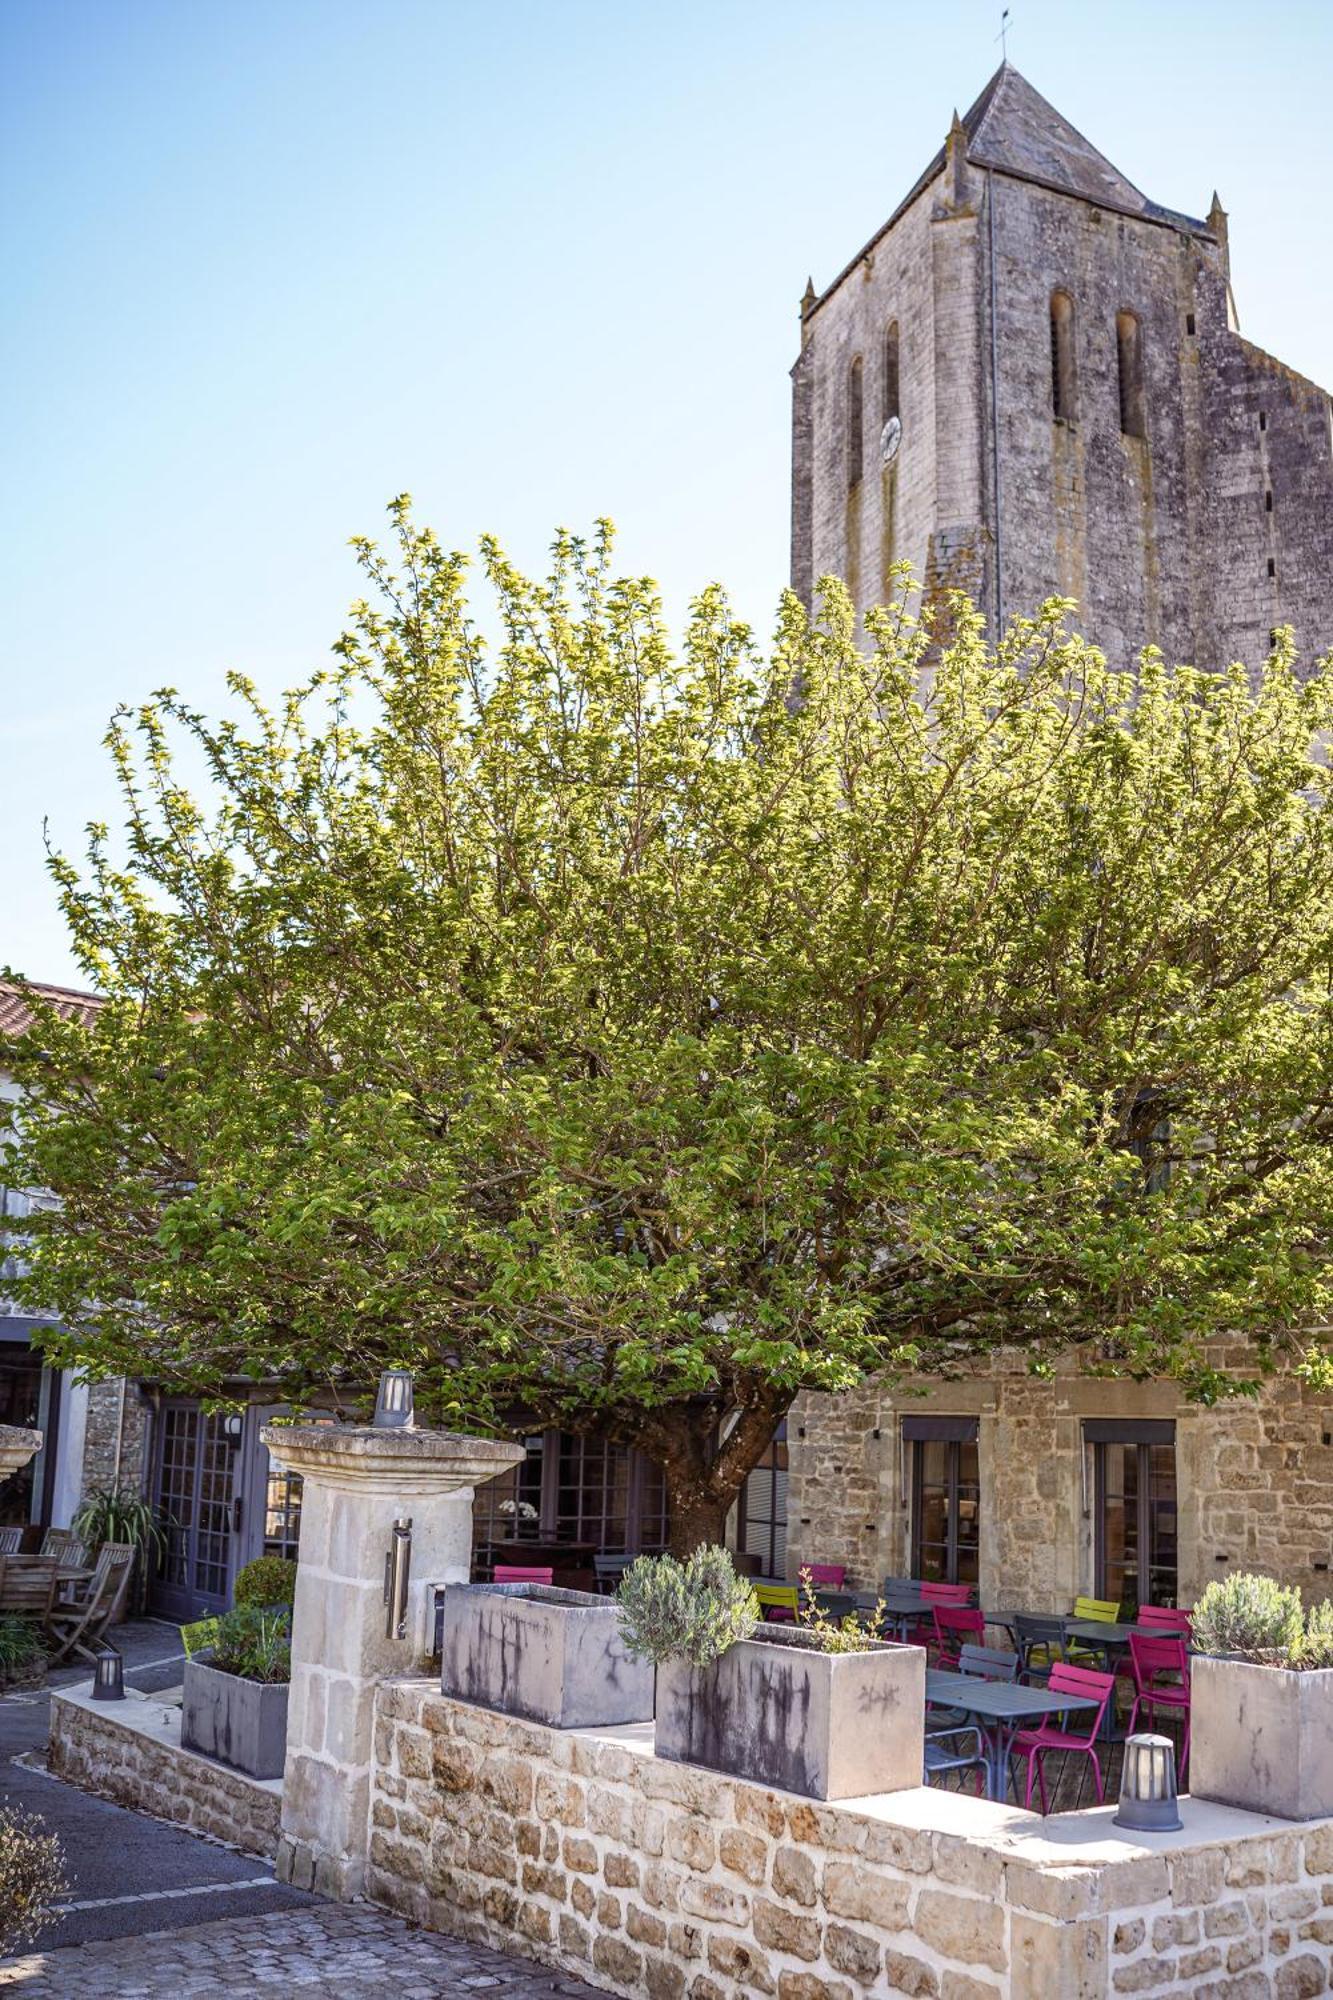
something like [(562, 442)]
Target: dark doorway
[(1134, 1511), (946, 1498)]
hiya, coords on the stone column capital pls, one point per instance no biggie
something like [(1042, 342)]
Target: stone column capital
[(408, 1464), (17, 1446)]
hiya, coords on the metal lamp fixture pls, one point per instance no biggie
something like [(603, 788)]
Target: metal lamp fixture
[(393, 1401), (1148, 1786), (109, 1676)]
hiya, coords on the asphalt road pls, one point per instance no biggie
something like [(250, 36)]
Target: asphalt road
[(128, 1874)]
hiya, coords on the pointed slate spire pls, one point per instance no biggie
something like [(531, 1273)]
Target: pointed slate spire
[(808, 298), (955, 154)]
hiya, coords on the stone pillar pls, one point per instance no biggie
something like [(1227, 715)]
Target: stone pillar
[(358, 1481), (17, 1446)]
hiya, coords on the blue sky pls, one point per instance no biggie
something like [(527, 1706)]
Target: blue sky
[(270, 264)]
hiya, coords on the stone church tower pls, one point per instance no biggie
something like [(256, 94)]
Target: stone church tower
[(1031, 381)]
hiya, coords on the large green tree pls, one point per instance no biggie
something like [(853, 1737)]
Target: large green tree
[(634, 1035)]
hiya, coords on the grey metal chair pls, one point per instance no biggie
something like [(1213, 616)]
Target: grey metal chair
[(989, 1663), (608, 1570), (940, 1758), (1041, 1643)]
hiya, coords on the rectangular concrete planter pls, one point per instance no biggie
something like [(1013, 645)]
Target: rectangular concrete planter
[(1261, 1737), (779, 1712), (241, 1723), (550, 1655)]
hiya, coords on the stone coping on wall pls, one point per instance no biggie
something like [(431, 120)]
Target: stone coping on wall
[(588, 1852), (130, 1751)]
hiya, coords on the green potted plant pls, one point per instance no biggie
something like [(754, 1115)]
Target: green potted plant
[(817, 1707), (234, 1705), (1261, 1699), (123, 1514)]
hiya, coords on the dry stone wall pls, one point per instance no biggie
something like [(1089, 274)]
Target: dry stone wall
[(588, 1853)]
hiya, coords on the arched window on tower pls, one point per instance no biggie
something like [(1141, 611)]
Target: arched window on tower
[(855, 426), (1062, 357), (1129, 350), (890, 408)]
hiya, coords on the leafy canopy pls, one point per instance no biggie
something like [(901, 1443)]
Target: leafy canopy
[(639, 1035)]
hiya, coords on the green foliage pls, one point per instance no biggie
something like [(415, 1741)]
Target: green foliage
[(254, 1641), (693, 1610), (22, 1653), (32, 1878), (199, 1635), (603, 1032), (1315, 1647), (266, 1581), (851, 1634), (120, 1514), (1249, 1615)]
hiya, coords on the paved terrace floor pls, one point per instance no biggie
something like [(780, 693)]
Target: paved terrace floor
[(155, 1910)]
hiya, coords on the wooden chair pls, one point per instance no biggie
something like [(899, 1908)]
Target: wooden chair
[(522, 1573), (11, 1541), (1161, 1673), (79, 1621), (1034, 1743), (28, 1585), (65, 1544)]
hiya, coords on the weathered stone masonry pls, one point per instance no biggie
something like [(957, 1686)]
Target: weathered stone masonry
[(668, 1881)]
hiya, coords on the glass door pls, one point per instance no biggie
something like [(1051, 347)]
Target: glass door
[(195, 1491), (1134, 1512), (946, 1498)]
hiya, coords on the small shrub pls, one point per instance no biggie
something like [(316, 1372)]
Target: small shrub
[(32, 1878), (1249, 1615), (266, 1581), (689, 1611), (22, 1654), (254, 1641), (1315, 1649), (837, 1635)]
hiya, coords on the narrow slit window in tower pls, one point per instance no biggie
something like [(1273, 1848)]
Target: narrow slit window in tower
[(855, 426), (1129, 350), (1062, 357), (891, 408)]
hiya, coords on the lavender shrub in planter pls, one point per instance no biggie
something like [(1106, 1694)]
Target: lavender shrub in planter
[(1261, 1699)]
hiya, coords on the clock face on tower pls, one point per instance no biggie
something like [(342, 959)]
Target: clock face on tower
[(889, 440)]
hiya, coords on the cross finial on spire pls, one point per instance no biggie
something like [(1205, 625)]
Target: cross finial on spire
[(1003, 37)]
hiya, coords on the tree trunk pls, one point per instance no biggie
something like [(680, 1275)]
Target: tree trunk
[(704, 1477)]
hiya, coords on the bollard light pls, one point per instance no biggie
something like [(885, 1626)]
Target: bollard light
[(393, 1401), (109, 1676), (1148, 1786)]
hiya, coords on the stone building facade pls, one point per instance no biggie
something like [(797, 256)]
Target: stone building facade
[(1032, 382)]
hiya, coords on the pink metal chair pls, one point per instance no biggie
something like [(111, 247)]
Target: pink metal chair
[(957, 1625), (1149, 1661), (824, 1576), (945, 1593), (1163, 1617), (1034, 1743), (519, 1573)]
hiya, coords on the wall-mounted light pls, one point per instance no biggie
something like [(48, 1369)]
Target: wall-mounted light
[(109, 1676), (393, 1401), (1148, 1786), (233, 1425)]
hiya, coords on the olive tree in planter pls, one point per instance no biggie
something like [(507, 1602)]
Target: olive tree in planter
[(234, 1706), (814, 1708), (1261, 1705), (535, 1650)]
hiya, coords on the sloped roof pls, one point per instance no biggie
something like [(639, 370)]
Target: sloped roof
[(1013, 129), (16, 1016)]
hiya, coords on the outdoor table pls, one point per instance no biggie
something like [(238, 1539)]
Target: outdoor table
[(999, 1710), (901, 1608)]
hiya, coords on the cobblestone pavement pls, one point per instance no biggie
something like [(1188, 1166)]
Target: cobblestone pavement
[(333, 1949)]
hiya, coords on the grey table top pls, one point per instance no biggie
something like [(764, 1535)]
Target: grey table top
[(997, 1699)]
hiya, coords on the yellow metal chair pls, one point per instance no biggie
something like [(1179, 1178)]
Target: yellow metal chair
[(782, 1598), (1091, 1611)]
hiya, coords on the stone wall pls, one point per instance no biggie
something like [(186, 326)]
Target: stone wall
[(116, 1437), (1254, 1481), (130, 1751), (586, 1852)]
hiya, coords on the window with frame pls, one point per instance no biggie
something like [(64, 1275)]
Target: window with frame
[(575, 1489), (1134, 1514), (762, 1524), (945, 1498)]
